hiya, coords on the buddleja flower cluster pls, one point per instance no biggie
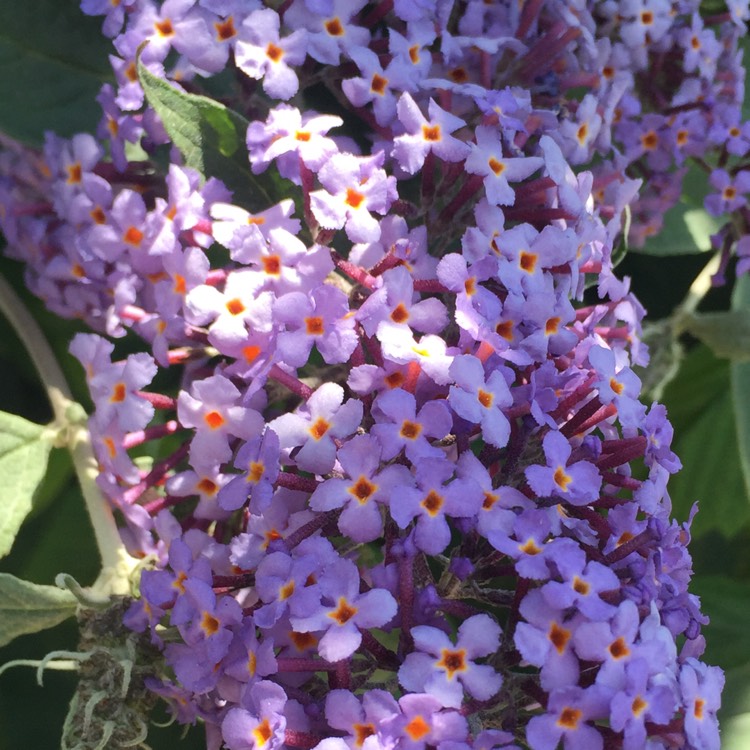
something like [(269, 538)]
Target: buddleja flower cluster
[(405, 493)]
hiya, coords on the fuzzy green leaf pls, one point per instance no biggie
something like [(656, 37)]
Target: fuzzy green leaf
[(28, 607), (727, 604), (211, 139), (53, 60), (700, 407), (24, 450), (687, 226), (740, 379), (734, 716), (727, 334)]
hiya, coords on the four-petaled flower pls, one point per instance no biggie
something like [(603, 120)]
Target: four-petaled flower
[(445, 670)]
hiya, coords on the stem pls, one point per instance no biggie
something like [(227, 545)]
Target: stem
[(114, 577), (698, 289), (41, 355)]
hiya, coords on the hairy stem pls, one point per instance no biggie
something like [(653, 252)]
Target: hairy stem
[(116, 563)]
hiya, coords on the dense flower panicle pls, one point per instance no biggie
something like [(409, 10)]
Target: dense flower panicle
[(395, 391)]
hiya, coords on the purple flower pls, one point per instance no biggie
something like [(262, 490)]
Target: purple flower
[(568, 710), (245, 234), (281, 581), (424, 136), (613, 644), (204, 481), (343, 611), (475, 304), (296, 137), (261, 53), (114, 13), (329, 34), (578, 483), (376, 84), (618, 384), (321, 318), (162, 587), (423, 722), (361, 494), (354, 187), (481, 400), (444, 671), (392, 313), (432, 501), (529, 545), (123, 233), (212, 409), (259, 460), (249, 659), (114, 391), (315, 425), (545, 640), (499, 504), (642, 699), (232, 311), (486, 159), (361, 718), (260, 726), (576, 137), (406, 429), (701, 688), (583, 581), (730, 193)]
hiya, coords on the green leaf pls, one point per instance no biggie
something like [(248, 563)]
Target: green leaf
[(687, 226), (28, 607), (211, 138), (24, 450), (740, 378), (744, 45), (727, 603), (727, 333), (53, 60), (734, 715), (700, 407)]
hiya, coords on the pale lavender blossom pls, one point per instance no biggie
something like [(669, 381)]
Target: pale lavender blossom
[(262, 53), (424, 136), (444, 670)]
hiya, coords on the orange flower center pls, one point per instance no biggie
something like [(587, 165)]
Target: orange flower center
[(274, 53), (319, 428), (343, 613), (431, 133)]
